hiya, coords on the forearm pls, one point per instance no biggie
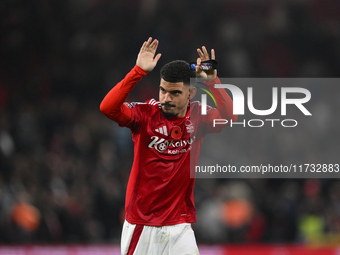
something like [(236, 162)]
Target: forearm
[(113, 105), (223, 101)]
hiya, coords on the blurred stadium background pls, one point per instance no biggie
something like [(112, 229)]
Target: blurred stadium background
[(64, 166)]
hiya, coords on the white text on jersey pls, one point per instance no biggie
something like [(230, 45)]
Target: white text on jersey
[(160, 144)]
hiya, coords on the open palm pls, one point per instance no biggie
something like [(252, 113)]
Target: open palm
[(146, 58), (204, 55)]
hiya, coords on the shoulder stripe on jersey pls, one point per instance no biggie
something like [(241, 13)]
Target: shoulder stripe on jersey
[(153, 102)]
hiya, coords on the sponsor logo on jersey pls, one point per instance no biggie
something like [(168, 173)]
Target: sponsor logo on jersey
[(160, 144)]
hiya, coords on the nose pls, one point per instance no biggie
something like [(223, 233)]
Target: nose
[(167, 97)]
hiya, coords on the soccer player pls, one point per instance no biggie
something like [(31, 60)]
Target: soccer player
[(159, 203)]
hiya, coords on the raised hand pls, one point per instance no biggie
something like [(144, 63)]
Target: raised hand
[(204, 55), (146, 58)]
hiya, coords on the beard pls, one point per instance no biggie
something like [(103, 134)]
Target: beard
[(168, 113)]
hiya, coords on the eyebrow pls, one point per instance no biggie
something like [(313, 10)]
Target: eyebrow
[(172, 91)]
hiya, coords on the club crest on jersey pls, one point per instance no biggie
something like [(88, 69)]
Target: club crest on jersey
[(189, 126)]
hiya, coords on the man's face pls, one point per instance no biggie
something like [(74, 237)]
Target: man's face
[(174, 98)]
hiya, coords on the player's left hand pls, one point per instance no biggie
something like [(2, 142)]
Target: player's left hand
[(204, 55)]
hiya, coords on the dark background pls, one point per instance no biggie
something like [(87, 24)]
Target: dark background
[(64, 166)]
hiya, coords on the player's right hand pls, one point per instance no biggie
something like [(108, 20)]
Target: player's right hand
[(146, 58)]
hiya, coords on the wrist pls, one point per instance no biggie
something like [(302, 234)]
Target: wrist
[(140, 70), (212, 82)]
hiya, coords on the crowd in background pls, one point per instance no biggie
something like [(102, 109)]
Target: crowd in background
[(64, 166)]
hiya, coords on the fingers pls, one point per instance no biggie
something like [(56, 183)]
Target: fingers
[(198, 66), (200, 53), (146, 44), (158, 56), (143, 47), (150, 45), (204, 55), (154, 45)]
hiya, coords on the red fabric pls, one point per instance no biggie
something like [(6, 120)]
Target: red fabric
[(135, 238), (113, 103), (160, 190)]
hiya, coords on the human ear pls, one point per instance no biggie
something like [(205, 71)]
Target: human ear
[(192, 92)]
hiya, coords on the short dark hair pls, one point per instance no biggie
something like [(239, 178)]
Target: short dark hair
[(177, 71)]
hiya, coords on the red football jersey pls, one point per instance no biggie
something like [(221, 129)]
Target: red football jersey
[(160, 190)]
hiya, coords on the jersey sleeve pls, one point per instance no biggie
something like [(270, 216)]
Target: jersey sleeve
[(137, 115), (140, 113), (113, 105), (224, 108)]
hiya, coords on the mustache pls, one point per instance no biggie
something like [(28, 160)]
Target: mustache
[(167, 104)]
